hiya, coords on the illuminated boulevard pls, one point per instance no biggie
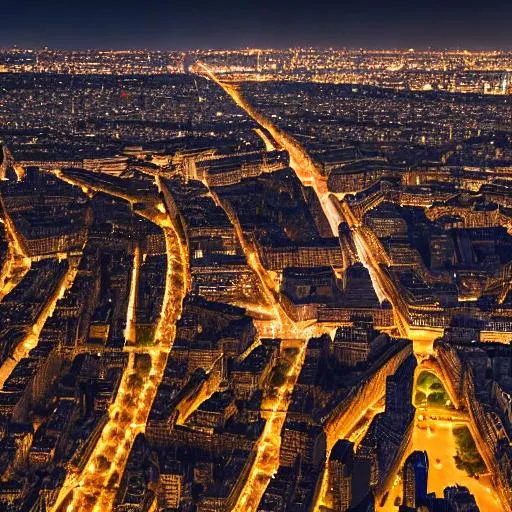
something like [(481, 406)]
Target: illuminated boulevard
[(131, 326), (17, 263), (336, 212), (266, 462), (94, 488), (280, 325), (32, 337), (15, 267)]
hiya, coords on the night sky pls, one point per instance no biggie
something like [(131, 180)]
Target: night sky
[(191, 24)]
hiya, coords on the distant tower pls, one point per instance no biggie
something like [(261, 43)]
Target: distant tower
[(341, 466), (415, 479)]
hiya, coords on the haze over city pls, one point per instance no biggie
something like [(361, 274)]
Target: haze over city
[(188, 25)]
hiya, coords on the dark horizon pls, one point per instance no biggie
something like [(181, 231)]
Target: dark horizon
[(232, 25)]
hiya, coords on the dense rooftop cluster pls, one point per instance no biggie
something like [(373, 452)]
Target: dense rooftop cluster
[(273, 295)]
